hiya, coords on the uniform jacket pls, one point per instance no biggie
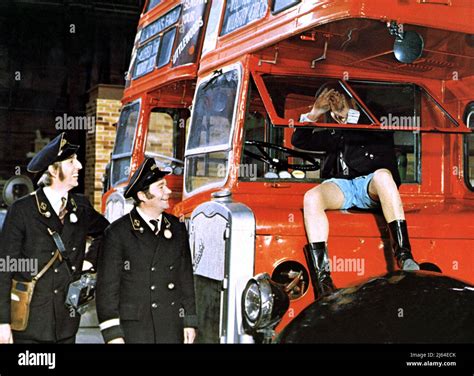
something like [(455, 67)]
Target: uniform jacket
[(25, 235), (363, 151), (145, 288)]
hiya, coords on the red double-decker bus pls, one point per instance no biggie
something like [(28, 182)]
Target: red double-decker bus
[(408, 68), (159, 89)]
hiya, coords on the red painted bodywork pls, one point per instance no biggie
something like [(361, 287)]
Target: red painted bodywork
[(166, 87), (440, 209)]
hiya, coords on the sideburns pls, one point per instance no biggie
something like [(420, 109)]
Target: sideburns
[(61, 173), (149, 195), (59, 170)]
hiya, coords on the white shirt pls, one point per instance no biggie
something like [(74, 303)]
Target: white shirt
[(54, 198), (305, 119), (148, 219)]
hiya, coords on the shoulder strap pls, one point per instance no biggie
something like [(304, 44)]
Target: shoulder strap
[(46, 267), (58, 241), (62, 250)]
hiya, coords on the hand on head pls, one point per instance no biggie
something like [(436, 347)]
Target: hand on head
[(330, 99), (339, 107), (321, 104)]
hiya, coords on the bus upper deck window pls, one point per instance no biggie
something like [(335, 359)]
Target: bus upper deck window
[(151, 4), (240, 13), (166, 48), (281, 5)]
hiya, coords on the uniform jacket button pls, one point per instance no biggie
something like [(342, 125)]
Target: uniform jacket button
[(371, 156), (74, 249), (154, 305), (171, 286), (55, 291), (366, 154), (52, 253), (171, 267), (152, 287), (172, 303), (153, 269), (56, 270)]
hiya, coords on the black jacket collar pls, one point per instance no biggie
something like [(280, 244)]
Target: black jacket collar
[(48, 216)]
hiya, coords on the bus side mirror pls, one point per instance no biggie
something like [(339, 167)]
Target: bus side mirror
[(409, 48), (408, 45)]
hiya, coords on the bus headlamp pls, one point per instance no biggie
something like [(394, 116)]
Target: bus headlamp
[(264, 303)]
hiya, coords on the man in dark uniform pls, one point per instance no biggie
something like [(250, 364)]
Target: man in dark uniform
[(363, 173), (27, 235), (145, 288)]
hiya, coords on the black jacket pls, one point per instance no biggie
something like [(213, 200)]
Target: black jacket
[(363, 151), (25, 235), (145, 288)]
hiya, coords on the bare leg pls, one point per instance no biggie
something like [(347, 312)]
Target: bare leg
[(382, 187), (317, 200)]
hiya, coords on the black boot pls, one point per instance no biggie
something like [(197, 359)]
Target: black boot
[(318, 264), (401, 245)]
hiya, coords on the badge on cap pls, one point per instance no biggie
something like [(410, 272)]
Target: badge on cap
[(61, 145), (146, 174), (56, 150)]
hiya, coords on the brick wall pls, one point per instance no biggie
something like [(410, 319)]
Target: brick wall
[(160, 134), (104, 105)]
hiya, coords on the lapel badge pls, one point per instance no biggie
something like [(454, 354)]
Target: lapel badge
[(44, 210), (167, 234), (136, 226), (42, 207), (73, 218), (74, 206)]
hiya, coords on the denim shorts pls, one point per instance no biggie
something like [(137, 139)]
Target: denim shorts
[(356, 192)]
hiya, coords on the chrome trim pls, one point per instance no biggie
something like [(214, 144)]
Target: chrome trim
[(225, 254)]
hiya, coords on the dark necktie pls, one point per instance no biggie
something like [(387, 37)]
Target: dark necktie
[(155, 223), (62, 210)]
